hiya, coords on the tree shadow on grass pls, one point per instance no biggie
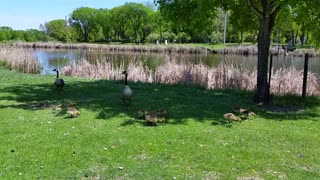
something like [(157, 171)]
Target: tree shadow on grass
[(292, 108), (182, 102)]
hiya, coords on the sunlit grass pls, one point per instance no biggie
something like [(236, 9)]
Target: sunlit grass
[(107, 141)]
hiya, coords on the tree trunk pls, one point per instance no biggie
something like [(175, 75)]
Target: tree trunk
[(264, 37), (267, 15), (302, 38), (292, 38)]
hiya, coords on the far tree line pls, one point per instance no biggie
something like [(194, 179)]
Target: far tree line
[(195, 21)]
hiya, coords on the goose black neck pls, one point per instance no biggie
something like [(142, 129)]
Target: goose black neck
[(57, 74), (126, 79)]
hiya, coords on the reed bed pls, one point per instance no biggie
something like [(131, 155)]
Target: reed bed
[(274, 50), (112, 47), (302, 52), (20, 60), (224, 76), (290, 80)]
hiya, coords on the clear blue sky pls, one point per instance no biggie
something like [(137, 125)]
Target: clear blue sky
[(29, 14)]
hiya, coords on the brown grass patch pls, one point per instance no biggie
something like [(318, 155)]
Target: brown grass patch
[(112, 47), (275, 50), (224, 76), (19, 59)]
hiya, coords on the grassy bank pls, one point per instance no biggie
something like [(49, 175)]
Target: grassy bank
[(107, 141)]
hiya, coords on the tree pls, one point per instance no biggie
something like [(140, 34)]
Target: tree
[(5, 33), (266, 11), (192, 17), (83, 19), (31, 35), (58, 29), (104, 21), (119, 21), (242, 21), (18, 35), (137, 15)]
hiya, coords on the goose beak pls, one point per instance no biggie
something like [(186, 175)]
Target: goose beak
[(124, 72), (54, 70)]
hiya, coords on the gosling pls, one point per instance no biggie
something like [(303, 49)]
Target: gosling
[(247, 113), (73, 111), (231, 117)]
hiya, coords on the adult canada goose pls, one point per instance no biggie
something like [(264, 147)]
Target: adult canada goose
[(126, 93), (59, 83)]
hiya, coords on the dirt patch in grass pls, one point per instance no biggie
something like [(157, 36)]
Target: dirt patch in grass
[(282, 109)]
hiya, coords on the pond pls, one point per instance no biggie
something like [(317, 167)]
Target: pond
[(51, 59)]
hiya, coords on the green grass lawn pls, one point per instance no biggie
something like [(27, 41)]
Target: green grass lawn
[(107, 141)]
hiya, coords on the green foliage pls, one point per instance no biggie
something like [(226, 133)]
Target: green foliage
[(104, 21), (137, 17), (32, 35), (153, 37), (216, 37), (119, 22), (5, 33), (201, 20), (84, 21), (169, 36), (183, 37), (18, 35), (242, 21), (59, 30)]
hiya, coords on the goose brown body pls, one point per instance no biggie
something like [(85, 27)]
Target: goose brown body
[(246, 112), (231, 117), (72, 110)]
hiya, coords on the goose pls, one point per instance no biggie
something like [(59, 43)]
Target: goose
[(72, 110), (153, 117), (58, 107), (126, 93), (246, 112), (231, 117), (59, 83)]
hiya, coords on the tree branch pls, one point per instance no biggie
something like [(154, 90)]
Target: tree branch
[(273, 3), (275, 12), (254, 9)]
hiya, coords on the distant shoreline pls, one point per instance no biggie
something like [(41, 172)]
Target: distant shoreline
[(162, 48)]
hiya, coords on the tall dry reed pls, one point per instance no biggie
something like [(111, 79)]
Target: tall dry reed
[(224, 76), (275, 50), (112, 47), (19, 59), (290, 81)]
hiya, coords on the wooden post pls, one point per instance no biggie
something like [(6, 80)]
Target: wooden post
[(305, 75), (269, 97), (270, 70)]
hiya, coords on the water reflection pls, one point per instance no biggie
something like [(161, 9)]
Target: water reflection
[(51, 59)]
